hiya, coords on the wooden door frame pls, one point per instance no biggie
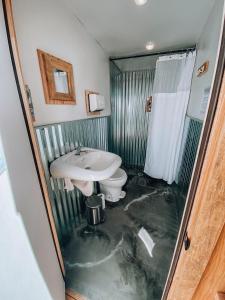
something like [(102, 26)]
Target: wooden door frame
[(212, 283), (206, 221), (200, 160), (15, 58)]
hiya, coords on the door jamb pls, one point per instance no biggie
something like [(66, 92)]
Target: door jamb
[(15, 58), (207, 126)]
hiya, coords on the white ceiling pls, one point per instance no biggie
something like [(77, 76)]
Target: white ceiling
[(123, 28)]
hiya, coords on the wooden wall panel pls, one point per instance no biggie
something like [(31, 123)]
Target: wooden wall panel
[(208, 214), (213, 279)]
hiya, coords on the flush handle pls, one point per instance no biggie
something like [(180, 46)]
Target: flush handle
[(187, 242)]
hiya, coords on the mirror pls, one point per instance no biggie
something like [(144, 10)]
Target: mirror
[(57, 79), (61, 81)]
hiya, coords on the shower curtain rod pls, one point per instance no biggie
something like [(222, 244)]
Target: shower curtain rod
[(155, 53)]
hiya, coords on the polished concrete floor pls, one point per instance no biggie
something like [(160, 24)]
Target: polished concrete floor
[(110, 261)]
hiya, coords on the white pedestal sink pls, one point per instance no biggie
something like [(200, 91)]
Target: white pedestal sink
[(85, 168)]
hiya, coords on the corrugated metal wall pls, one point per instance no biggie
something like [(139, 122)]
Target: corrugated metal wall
[(129, 121), (190, 151), (59, 139), (127, 128), (128, 125)]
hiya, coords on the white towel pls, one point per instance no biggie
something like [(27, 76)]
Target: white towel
[(68, 184)]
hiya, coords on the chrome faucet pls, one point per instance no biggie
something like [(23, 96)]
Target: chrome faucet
[(78, 149)]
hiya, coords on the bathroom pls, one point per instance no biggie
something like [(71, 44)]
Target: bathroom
[(132, 107)]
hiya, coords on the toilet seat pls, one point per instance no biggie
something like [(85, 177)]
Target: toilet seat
[(119, 174), (112, 187)]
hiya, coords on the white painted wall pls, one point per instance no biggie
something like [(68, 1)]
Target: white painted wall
[(20, 275), (207, 47), (29, 266), (51, 26)]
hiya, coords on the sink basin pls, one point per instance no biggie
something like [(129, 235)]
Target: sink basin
[(89, 165)]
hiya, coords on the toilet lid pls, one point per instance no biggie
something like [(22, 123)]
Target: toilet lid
[(118, 174)]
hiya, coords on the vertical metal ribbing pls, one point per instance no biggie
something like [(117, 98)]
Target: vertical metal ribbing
[(129, 122), (59, 139), (189, 153), (45, 160)]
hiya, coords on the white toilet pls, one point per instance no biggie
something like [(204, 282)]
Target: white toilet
[(112, 187)]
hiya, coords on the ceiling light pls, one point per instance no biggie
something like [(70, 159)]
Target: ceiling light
[(150, 46), (140, 2)]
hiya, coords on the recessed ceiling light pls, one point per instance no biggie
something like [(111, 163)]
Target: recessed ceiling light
[(150, 46), (140, 2)]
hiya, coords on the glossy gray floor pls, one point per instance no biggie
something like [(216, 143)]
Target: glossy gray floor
[(110, 261)]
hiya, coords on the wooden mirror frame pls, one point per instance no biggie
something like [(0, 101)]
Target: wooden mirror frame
[(48, 63)]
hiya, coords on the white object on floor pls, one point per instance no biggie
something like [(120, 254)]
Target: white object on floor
[(112, 187), (147, 240), (171, 92)]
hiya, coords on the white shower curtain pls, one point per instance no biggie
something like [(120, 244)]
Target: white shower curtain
[(171, 93)]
